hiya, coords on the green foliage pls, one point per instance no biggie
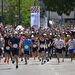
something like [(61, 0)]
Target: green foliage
[(63, 23), (60, 6), (12, 14)]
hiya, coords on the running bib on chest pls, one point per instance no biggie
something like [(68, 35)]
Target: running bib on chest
[(58, 46), (34, 46), (26, 46), (7, 48), (42, 46), (15, 45)]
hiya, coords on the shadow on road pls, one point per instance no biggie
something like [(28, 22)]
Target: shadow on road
[(5, 68)]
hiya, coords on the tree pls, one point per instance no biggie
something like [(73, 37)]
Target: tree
[(60, 6), (13, 11)]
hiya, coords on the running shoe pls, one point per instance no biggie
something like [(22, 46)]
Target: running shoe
[(42, 63), (26, 63), (16, 66), (13, 62), (5, 61), (50, 57), (8, 62), (22, 59), (58, 62), (39, 59), (47, 59), (63, 60)]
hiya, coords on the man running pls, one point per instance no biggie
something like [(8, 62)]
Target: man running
[(71, 46), (59, 45), (7, 48), (26, 47), (14, 44), (1, 45)]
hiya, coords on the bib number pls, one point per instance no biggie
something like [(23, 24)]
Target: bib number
[(42, 46), (7, 48), (34, 46), (26, 46), (15, 46)]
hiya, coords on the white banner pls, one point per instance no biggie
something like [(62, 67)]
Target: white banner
[(35, 17)]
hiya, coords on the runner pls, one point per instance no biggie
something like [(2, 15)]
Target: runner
[(64, 48), (14, 44), (1, 45), (21, 53), (7, 48), (42, 48), (59, 45), (49, 42), (26, 47), (71, 46), (34, 47)]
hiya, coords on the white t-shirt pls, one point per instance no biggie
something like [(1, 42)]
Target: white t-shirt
[(71, 44), (59, 44), (64, 42)]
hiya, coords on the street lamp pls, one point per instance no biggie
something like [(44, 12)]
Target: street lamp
[(2, 10), (19, 13)]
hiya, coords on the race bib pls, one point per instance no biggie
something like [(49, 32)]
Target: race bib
[(61, 45), (58, 46), (7, 48), (34, 46), (15, 46), (26, 46), (42, 46)]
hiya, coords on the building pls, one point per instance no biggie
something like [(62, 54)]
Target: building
[(65, 18)]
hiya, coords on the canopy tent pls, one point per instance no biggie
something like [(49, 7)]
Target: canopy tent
[(20, 27)]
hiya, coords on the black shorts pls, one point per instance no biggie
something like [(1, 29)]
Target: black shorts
[(49, 49), (63, 49), (15, 52), (46, 50), (58, 50), (0, 51), (41, 50), (7, 50), (34, 49), (26, 52)]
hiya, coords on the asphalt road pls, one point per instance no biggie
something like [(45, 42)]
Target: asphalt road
[(34, 67)]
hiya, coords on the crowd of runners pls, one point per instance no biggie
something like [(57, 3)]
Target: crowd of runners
[(41, 44)]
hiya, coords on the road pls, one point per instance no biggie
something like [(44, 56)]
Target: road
[(35, 68)]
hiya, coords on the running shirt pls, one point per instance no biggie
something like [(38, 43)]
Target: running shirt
[(71, 44), (42, 43), (64, 42), (49, 42), (59, 44), (1, 46), (15, 42), (27, 44), (7, 47)]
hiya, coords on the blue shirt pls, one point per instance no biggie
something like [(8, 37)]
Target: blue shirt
[(27, 44), (15, 42)]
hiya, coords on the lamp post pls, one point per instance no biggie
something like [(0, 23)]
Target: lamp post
[(19, 13), (2, 10)]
